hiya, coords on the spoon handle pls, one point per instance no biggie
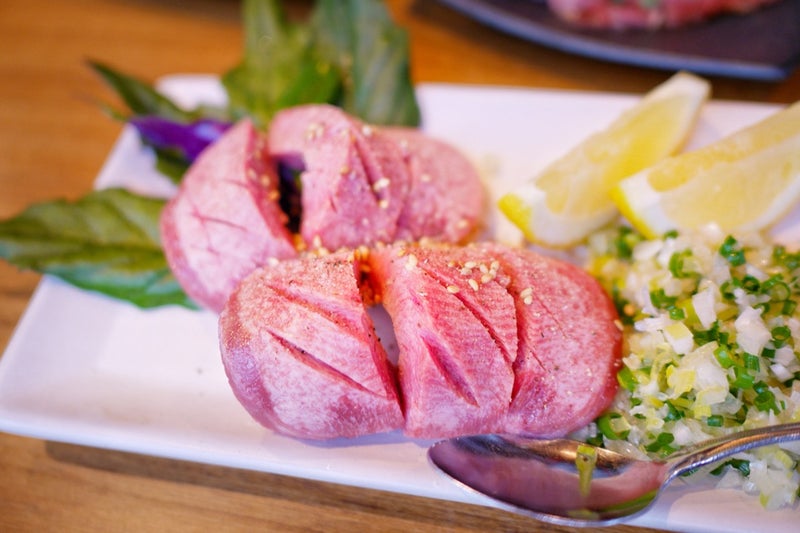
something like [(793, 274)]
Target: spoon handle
[(719, 448)]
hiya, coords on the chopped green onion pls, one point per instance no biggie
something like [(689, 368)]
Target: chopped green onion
[(764, 307), (622, 305), (743, 379), (765, 402), (741, 414), (690, 362), (780, 335), (723, 355), (605, 426), (776, 288), (789, 261), (660, 299), (677, 265), (662, 444), (732, 252), (673, 413), (713, 334), (595, 440), (626, 379), (742, 465), (585, 461), (676, 313), (726, 289), (750, 284), (625, 242), (751, 362)]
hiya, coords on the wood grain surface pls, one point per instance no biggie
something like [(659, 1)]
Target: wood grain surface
[(53, 141)]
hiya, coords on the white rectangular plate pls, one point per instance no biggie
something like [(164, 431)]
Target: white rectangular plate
[(85, 369)]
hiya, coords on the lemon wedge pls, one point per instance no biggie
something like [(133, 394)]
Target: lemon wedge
[(570, 198), (746, 181)]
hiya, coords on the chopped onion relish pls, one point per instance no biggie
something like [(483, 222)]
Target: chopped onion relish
[(712, 333)]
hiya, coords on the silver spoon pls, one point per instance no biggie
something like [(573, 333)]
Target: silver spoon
[(571, 483)]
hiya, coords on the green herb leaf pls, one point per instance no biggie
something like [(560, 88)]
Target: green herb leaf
[(107, 241), (280, 67), (371, 52), (139, 96), (142, 99), (170, 164), (349, 54)]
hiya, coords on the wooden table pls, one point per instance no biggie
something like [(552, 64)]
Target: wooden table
[(53, 141)]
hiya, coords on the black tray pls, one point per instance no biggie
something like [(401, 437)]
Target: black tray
[(764, 45)]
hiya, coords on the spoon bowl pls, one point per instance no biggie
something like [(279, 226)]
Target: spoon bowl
[(572, 483)]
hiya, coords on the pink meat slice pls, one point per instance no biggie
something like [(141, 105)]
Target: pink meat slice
[(354, 181), (225, 220), (456, 330), (569, 344), (301, 354), (446, 200), (624, 14)]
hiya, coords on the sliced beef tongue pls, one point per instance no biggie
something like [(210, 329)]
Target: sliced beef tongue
[(225, 219), (569, 344), (301, 354), (447, 199), (353, 178), (490, 339), (358, 185), (367, 185), (455, 326)]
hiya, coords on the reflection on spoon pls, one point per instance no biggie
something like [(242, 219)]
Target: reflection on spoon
[(572, 483)]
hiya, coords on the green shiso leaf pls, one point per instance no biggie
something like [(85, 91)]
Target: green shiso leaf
[(108, 241)]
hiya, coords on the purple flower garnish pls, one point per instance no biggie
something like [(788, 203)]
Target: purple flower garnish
[(188, 139)]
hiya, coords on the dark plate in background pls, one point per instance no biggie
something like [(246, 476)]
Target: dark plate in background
[(764, 45)]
